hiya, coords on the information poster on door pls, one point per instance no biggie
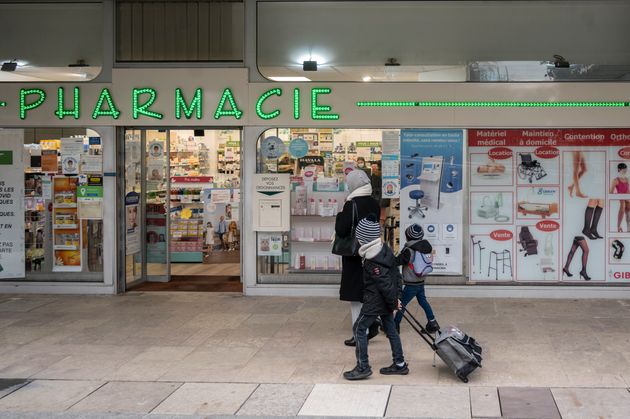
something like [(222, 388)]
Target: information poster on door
[(11, 204), (431, 192), (390, 164), (549, 205)]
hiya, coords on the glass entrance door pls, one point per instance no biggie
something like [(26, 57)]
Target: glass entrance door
[(182, 209)]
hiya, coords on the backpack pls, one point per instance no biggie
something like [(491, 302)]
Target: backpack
[(422, 264)]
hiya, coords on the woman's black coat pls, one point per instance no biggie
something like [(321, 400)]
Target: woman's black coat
[(351, 268)]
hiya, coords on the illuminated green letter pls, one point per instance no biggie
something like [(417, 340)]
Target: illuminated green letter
[(61, 112), (30, 106), (296, 103), (316, 108), (195, 105), (235, 111), (111, 111), (262, 114), (143, 109)]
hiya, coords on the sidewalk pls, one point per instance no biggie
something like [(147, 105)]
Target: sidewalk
[(224, 354)]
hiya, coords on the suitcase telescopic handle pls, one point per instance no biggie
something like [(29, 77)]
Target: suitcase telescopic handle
[(415, 325)]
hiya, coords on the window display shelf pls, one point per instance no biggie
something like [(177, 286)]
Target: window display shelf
[(65, 226), (311, 241), (314, 271), (65, 247), (313, 217), (74, 205)]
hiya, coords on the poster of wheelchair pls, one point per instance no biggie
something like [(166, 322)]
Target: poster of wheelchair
[(571, 206), (431, 193)]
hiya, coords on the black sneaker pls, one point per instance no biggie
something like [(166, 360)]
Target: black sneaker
[(395, 370), (432, 326), (350, 342), (357, 373)]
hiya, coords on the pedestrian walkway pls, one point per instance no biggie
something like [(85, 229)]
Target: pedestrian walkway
[(224, 354)]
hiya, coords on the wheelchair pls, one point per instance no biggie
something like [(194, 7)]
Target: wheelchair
[(530, 169)]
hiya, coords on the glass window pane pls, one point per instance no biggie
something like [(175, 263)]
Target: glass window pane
[(412, 41)]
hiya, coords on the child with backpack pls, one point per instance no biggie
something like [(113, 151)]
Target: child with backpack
[(416, 260), (381, 298)]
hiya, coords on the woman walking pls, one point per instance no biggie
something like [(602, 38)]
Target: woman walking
[(361, 202)]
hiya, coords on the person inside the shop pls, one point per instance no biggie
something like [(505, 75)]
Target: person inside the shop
[(376, 180), (360, 202), (221, 230), (209, 238), (361, 165)]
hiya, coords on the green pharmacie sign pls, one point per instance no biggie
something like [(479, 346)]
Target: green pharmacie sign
[(192, 104), (6, 157), (186, 104)]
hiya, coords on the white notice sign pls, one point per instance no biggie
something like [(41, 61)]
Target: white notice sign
[(272, 201), (11, 204)]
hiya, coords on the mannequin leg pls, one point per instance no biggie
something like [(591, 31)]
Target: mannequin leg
[(620, 215), (596, 216), (585, 251), (574, 247), (588, 218), (627, 211)]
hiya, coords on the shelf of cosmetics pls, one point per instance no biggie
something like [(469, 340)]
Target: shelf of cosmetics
[(185, 195), (316, 263), (319, 207), (312, 233)]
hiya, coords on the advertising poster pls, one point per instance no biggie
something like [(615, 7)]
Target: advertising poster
[(132, 236), (271, 202), (66, 225), (49, 161), (269, 244), (390, 170), (11, 204), (90, 202), (431, 192), (549, 205), (71, 151)]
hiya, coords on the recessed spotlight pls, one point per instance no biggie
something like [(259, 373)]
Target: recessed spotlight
[(309, 65), (9, 66), (289, 78), (367, 78)]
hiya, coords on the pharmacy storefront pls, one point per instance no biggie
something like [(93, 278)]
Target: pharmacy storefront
[(520, 195)]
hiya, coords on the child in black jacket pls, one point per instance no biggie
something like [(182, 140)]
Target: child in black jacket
[(381, 298), (413, 284)]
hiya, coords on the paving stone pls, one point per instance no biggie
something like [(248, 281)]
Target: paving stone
[(8, 386), (574, 403), (276, 400), (126, 397), (451, 402), (484, 402), (528, 403), (48, 396), (206, 399), (346, 400)]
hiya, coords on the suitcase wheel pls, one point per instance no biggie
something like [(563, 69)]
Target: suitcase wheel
[(463, 378)]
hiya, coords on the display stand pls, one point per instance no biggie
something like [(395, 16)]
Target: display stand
[(67, 237)]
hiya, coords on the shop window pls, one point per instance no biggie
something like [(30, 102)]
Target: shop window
[(71, 49), (444, 41), (179, 31), (57, 188), (316, 160)]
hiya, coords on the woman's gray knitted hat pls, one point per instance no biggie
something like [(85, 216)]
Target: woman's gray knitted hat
[(368, 229), (357, 178)]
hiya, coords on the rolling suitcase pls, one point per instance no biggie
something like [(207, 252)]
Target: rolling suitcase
[(459, 351)]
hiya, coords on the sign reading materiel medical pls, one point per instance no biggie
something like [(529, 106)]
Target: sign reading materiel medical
[(549, 205), (272, 200), (431, 192), (11, 204)]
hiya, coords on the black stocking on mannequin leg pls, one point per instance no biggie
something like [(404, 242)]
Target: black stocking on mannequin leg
[(596, 216), (574, 247), (584, 247), (588, 217)]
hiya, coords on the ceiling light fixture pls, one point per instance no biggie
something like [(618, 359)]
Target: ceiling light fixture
[(560, 62), (309, 65), (289, 78), (367, 78), (79, 63), (9, 66)]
